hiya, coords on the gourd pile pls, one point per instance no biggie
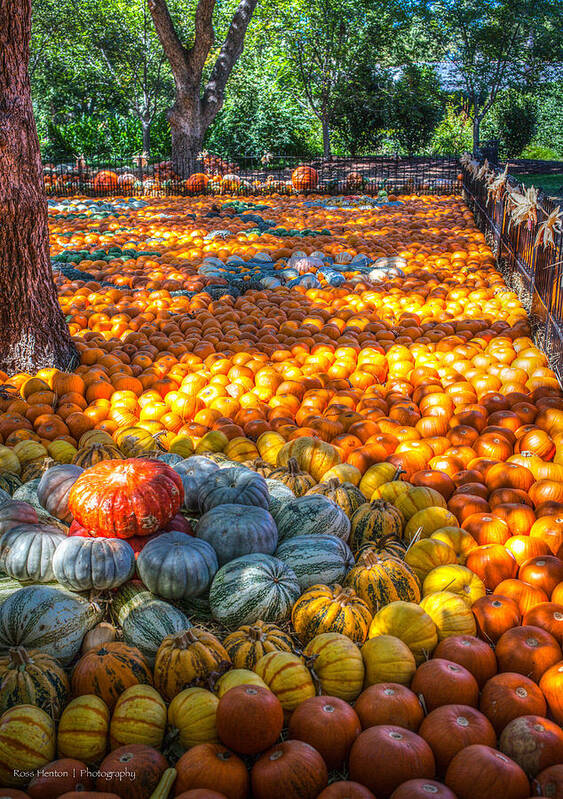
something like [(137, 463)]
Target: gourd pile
[(272, 540)]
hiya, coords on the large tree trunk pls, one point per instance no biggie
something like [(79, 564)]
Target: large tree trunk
[(327, 152), (33, 332), (187, 129), (146, 125), (476, 133)]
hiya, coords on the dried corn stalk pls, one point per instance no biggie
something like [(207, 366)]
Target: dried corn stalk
[(524, 207), (547, 230), (497, 185)]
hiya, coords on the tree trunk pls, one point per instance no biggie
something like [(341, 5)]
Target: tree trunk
[(187, 130), (476, 133), (146, 124), (33, 332), (327, 152)]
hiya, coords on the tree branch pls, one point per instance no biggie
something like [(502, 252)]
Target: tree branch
[(212, 99), (204, 37), (175, 52)]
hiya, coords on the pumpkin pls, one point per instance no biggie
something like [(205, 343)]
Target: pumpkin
[(120, 499), (450, 728), (235, 677), (287, 677), (387, 658), (83, 729), (442, 682), (527, 650), (293, 477), (551, 684), (417, 499), (233, 486), (385, 756), (410, 623), (214, 767), (346, 495), (54, 489), (550, 781), (494, 615), (475, 655), (311, 515), (290, 770), (459, 540), (27, 552), (422, 789), (379, 581), (95, 453), (249, 643), (32, 678), (328, 724), (145, 620), (192, 717), (30, 724), (492, 563), (249, 719), (455, 579), (131, 771), (313, 456), (60, 777), (479, 770), (535, 743), (47, 619), (316, 559), (373, 522), (184, 657), (345, 789), (304, 178), (548, 616), (102, 633), (14, 513), (377, 475), (389, 703), (325, 608), (427, 554), (251, 588), (176, 566), (425, 522), (139, 717), (279, 494), (543, 572), (83, 564), (237, 530), (507, 696), (336, 664), (108, 671), (194, 472), (450, 614)]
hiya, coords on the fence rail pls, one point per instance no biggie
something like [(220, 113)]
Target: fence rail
[(254, 175), (533, 271)]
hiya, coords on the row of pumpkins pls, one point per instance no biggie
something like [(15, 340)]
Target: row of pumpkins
[(375, 579)]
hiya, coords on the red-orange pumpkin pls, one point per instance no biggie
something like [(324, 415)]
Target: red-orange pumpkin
[(329, 724), (304, 178), (509, 695), (290, 770), (495, 614), (131, 771), (492, 563), (59, 776), (345, 789), (385, 756), (535, 743), (481, 771), (542, 572), (475, 655), (120, 499), (214, 767), (550, 782), (527, 650), (442, 682), (422, 789), (450, 728), (551, 684), (548, 616), (249, 719), (389, 703)]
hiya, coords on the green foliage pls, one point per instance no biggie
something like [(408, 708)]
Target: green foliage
[(453, 135), (539, 152), (515, 118), (415, 107), (549, 133), (361, 99)]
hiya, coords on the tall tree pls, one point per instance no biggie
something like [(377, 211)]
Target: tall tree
[(494, 44), (196, 106), (33, 332)]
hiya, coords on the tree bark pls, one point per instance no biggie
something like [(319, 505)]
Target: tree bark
[(194, 110), (146, 125), (476, 133), (327, 151), (33, 332)]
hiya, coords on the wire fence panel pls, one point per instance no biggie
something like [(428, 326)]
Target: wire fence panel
[(532, 270)]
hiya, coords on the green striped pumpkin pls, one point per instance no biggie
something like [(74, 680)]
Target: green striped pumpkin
[(253, 587), (374, 521), (145, 619), (381, 580), (196, 607), (44, 618), (279, 494), (346, 495), (33, 678), (9, 482), (316, 558), (311, 515), (28, 493)]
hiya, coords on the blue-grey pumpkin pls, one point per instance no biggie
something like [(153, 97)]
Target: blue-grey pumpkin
[(235, 530), (27, 551), (194, 471), (82, 563), (233, 486), (175, 565)]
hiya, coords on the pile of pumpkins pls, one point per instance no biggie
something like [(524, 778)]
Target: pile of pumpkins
[(304, 543), (360, 619)]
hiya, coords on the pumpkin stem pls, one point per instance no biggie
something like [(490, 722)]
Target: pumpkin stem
[(397, 475), (164, 785), (255, 633), (18, 656), (293, 467), (185, 638), (332, 483)]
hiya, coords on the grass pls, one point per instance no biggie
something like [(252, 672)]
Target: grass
[(551, 184)]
